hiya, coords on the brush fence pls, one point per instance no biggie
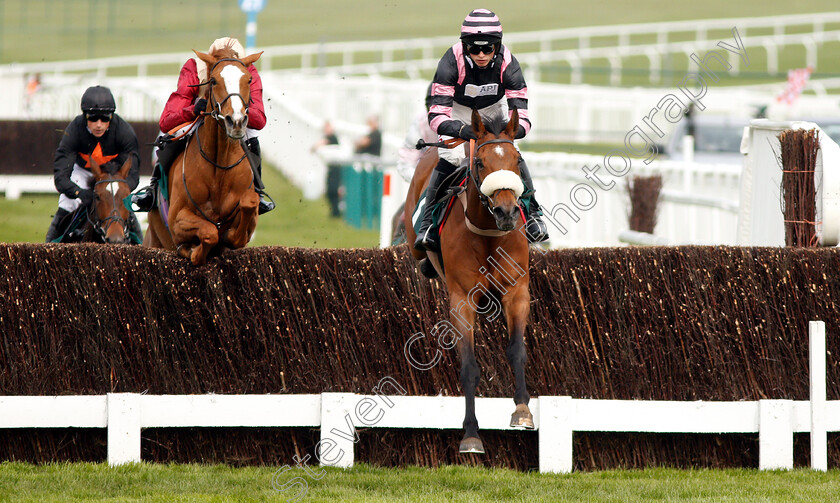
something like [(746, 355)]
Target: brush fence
[(338, 415)]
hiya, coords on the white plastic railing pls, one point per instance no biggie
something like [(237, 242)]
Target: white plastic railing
[(339, 415), (698, 204)]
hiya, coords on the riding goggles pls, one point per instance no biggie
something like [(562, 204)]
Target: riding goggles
[(93, 117), (486, 49)]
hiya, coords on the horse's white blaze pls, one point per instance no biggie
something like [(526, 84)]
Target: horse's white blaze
[(231, 75), (502, 179), (113, 188), (499, 151)]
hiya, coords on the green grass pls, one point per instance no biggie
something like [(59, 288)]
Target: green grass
[(295, 222), (86, 482)]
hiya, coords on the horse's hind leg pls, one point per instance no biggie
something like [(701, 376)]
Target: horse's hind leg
[(517, 307)]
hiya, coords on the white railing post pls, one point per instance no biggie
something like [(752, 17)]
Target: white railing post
[(819, 437), (123, 428), (775, 434), (338, 433), (555, 434)]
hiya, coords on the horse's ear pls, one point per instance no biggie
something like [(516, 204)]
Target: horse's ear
[(126, 167), (94, 167), (477, 123), (249, 60), (208, 59), (513, 124)]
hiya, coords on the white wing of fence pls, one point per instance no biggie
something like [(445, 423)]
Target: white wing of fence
[(339, 415)]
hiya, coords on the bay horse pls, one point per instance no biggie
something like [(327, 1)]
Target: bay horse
[(113, 219), (107, 220), (484, 252), (212, 204)]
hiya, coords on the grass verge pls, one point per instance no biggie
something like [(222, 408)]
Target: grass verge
[(86, 482)]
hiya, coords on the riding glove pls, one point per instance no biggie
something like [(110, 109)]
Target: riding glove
[(86, 196), (200, 106)]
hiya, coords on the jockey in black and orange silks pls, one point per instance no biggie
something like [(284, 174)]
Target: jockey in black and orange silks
[(97, 133), (478, 72)]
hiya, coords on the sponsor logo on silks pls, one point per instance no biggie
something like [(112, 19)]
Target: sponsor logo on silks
[(473, 91)]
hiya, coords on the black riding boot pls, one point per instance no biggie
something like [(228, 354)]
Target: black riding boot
[(535, 228), (253, 152), (145, 199), (427, 237), (56, 230)]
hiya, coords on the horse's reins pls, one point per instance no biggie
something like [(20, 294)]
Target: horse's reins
[(218, 225), (217, 110), (472, 173), (216, 114)]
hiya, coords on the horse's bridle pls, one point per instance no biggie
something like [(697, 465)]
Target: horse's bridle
[(472, 172), (217, 105), (217, 110), (100, 225)]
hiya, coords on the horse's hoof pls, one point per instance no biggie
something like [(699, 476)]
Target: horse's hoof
[(522, 418), (471, 445)]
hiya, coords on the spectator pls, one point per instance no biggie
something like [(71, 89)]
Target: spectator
[(372, 142), (333, 170)]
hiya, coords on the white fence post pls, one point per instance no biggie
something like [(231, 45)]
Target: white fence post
[(775, 434), (123, 428), (555, 434), (338, 433), (819, 437)]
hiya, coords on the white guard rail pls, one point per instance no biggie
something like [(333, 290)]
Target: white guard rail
[(698, 204)]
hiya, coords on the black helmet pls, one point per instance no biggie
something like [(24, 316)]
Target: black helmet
[(98, 99), (481, 25)]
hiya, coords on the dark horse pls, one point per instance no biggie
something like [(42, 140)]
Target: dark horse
[(211, 198), (107, 220), (485, 253)]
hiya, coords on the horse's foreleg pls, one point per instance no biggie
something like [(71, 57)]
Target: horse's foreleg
[(462, 317), (238, 235), (194, 236), (517, 308), (157, 234)]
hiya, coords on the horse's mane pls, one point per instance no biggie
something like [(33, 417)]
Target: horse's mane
[(496, 124)]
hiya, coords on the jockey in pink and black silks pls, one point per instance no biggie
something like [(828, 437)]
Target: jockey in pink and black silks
[(478, 72)]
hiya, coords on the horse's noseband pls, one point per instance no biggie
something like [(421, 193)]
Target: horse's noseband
[(485, 200)]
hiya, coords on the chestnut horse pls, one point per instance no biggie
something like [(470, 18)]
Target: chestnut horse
[(484, 252), (211, 198)]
